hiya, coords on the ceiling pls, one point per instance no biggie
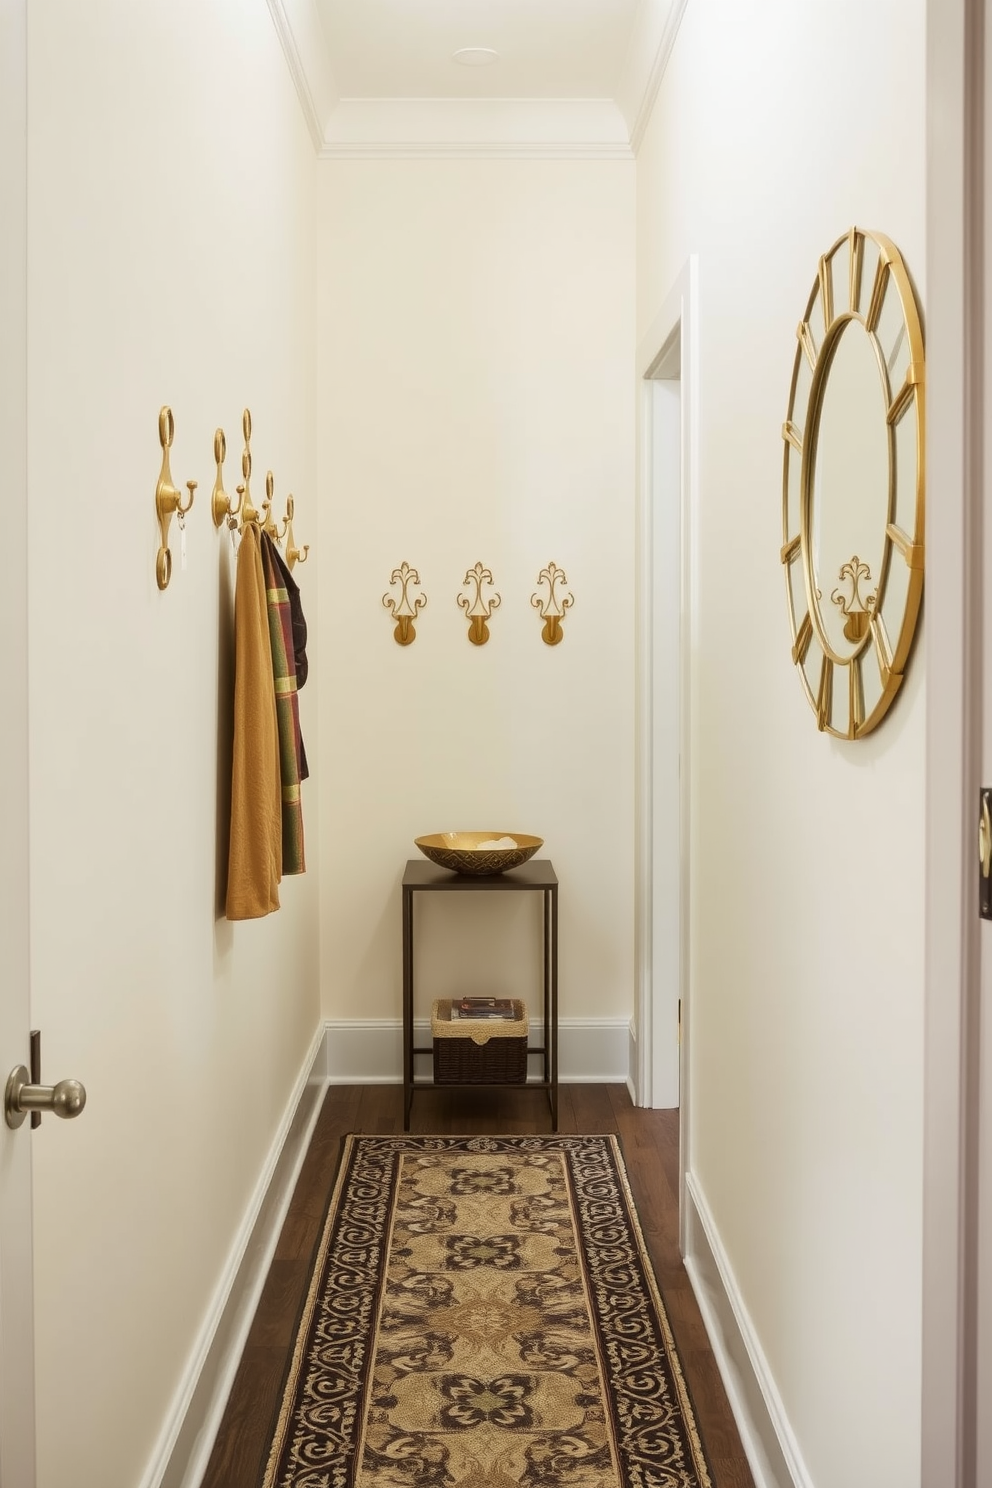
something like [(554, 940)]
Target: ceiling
[(570, 77)]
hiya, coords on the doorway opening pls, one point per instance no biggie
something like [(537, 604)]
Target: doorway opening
[(666, 391)]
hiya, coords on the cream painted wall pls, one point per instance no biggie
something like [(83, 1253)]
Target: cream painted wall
[(170, 242), (476, 326), (777, 127)]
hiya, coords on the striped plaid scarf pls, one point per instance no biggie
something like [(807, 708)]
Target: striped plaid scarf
[(291, 755)]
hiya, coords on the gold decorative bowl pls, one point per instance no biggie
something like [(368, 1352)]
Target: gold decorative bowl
[(482, 853)]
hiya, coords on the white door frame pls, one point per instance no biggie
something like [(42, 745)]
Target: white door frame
[(955, 208), (667, 402), (17, 1418)]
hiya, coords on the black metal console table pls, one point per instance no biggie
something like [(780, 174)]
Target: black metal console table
[(422, 876)]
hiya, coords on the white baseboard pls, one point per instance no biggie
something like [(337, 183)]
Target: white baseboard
[(183, 1449), (591, 1051), (766, 1436)]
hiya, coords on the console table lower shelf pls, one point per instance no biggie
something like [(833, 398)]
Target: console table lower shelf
[(422, 876)]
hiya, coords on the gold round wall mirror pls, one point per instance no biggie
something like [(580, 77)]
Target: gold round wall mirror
[(853, 484)]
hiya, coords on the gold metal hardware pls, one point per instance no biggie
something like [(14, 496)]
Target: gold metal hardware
[(856, 612), (862, 289), (247, 511), (476, 608), (168, 499), (985, 839), (221, 505), (294, 554), (66, 1099), (404, 609), (269, 523), (552, 609)]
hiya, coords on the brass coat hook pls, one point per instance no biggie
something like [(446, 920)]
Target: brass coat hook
[(247, 511), (168, 499), (294, 554), (552, 607), (269, 523), (221, 504), (476, 608), (404, 609)]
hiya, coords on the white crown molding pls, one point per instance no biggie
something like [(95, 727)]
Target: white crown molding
[(437, 128), (304, 44), (651, 43), (498, 128)]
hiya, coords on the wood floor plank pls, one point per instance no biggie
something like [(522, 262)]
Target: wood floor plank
[(650, 1144)]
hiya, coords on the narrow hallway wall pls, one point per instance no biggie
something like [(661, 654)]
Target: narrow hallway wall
[(170, 262), (475, 328), (777, 128)]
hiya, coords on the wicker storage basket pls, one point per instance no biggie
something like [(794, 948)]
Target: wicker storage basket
[(479, 1051)]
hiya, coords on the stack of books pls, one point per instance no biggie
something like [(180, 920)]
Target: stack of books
[(483, 1007)]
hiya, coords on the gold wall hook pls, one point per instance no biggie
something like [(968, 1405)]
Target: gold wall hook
[(552, 606), (475, 606), (294, 554), (221, 505), (247, 511), (269, 523), (404, 609), (168, 500)]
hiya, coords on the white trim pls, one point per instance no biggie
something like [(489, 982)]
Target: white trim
[(503, 128), (183, 1449), (500, 128), (593, 1051), (474, 150), (305, 49), (767, 1437), (952, 621), (640, 85), (17, 1352)]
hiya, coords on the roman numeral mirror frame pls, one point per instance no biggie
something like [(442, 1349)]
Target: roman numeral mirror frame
[(853, 484)]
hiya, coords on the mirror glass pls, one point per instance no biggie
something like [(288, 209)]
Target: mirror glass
[(804, 381), (894, 597), (812, 665), (869, 268), (793, 488), (893, 340), (907, 433), (849, 499), (871, 681)]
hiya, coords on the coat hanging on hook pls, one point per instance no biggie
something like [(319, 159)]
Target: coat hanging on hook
[(255, 861)]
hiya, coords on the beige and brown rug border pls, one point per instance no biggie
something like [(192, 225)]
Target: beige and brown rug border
[(320, 1256)]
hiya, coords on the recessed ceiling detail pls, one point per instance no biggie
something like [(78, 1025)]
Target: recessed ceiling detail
[(475, 56), (574, 77)]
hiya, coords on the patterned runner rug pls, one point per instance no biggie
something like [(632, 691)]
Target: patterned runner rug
[(482, 1314)]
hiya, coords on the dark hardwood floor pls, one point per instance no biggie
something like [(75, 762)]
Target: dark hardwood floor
[(650, 1146)]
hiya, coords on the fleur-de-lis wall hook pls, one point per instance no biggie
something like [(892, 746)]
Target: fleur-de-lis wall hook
[(552, 605), (475, 606), (404, 609), (857, 612)]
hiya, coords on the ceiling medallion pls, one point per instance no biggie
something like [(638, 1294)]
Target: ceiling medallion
[(475, 56)]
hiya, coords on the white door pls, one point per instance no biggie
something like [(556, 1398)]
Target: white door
[(17, 1431), (957, 1199)]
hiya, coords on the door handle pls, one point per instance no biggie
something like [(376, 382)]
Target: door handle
[(66, 1099), (984, 854)]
